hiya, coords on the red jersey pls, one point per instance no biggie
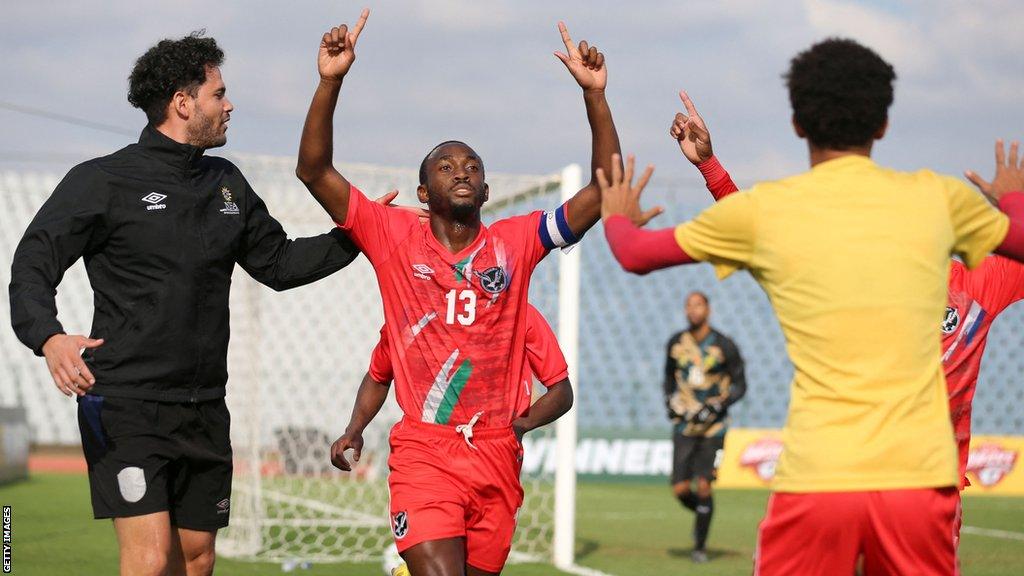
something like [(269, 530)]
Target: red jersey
[(976, 297), (542, 352), (456, 323)]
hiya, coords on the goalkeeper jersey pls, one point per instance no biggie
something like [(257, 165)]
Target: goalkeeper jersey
[(976, 297), (456, 323)]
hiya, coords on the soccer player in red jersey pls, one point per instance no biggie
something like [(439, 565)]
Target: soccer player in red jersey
[(455, 302), (547, 363), (976, 297)]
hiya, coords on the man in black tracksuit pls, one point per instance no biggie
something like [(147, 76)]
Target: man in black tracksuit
[(161, 227)]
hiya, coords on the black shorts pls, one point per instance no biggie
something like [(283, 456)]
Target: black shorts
[(146, 456), (695, 457)]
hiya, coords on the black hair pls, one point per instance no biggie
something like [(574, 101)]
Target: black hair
[(170, 66), (423, 164), (702, 295), (840, 92)]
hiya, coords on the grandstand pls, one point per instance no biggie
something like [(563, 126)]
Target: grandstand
[(297, 357)]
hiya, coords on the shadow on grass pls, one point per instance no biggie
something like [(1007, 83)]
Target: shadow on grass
[(585, 547), (713, 553)]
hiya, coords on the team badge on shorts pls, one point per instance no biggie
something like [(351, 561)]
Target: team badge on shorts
[(400, 525), (493, 280), (951, 320), (131, 480)]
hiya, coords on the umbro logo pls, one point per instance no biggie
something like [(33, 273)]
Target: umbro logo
[(224, 506), (154, 200), (422, 271)]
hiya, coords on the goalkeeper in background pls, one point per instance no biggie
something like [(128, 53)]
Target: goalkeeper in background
[(703, 377)]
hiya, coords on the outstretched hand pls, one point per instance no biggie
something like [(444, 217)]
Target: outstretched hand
[(387, 199), (1009, 173), (619, 196), (690, 131), (584, 62), (338, 49)]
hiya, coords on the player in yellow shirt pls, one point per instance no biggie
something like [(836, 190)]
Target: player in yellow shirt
[(854, 259)]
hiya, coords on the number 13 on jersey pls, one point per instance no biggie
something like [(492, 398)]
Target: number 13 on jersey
[(465, 301)]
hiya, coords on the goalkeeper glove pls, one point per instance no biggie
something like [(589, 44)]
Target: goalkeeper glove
[(707, 414)]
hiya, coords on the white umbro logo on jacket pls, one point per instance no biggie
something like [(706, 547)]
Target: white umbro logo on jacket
[(154, 199)]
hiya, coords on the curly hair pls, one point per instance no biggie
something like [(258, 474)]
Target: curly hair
[(840, 92), (170, 66)]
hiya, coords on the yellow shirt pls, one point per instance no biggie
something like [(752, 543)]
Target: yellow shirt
[(855, 261)]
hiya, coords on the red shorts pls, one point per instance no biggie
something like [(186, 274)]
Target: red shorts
[(442, 488), (896, 531)]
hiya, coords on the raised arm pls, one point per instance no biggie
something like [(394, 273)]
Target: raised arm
[(694, 138), (316, 150), (588, 68), (1006, 190), (637, 250)]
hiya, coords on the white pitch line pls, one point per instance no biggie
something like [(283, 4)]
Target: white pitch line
[(582, 571), (1004, 534)]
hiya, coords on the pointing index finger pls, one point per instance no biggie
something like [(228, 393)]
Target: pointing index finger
[(569, 46), (690, 108), (359, 25)]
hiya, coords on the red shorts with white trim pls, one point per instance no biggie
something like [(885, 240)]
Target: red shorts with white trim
[(441, 487), (896, 532)]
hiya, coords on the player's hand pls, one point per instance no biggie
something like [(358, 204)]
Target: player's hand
[(519, 430), (673, 415), (707, 414), (64, 360), (690, 131), (387, 199), (350, 439), (619, 196), (1009, 173), (338, 49), (584, 62)]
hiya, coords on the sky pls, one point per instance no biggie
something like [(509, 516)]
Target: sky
[(484, 72)]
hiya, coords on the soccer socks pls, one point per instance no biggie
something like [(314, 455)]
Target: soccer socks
[(705, 507), (688, 500)]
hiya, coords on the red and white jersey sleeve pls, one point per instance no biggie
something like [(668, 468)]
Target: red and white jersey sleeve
[(374, 228), (976, 298), (542, 350), (381, 369), (544, 355)]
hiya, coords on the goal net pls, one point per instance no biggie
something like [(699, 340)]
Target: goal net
[(295, 362)]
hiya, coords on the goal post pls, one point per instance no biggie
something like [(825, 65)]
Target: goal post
[(296, 360), (565, 427)]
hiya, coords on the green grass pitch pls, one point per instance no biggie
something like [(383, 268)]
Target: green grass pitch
[(622, 529)]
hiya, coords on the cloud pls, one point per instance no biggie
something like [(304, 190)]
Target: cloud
[(484, 71)]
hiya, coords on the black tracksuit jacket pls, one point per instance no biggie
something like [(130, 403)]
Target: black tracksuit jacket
[(160, 227)]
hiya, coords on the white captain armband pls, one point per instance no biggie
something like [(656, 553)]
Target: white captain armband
[(554, 229)]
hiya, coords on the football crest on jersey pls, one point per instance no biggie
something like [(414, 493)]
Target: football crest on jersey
[(493, 280), (400, 525), (951, 321)]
